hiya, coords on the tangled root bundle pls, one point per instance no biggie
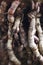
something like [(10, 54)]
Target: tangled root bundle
[(21, 33)]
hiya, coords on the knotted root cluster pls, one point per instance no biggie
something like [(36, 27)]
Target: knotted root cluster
[(21, 34)]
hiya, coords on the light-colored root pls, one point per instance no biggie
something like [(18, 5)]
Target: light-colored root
[(10, 18), (13, 7), (31, 34), (11, 11), (36, 38), (40, 34), (31, 42), (17, 23), (11, 54)]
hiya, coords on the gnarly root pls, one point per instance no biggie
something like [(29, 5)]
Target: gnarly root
[(31, 33), (40, 35), (23, 50), (12, 56)]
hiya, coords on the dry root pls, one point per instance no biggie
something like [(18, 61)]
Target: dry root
[(12, 56), (31, 42), (11, 11), (40, 34), (13, 7), (17, 23)]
